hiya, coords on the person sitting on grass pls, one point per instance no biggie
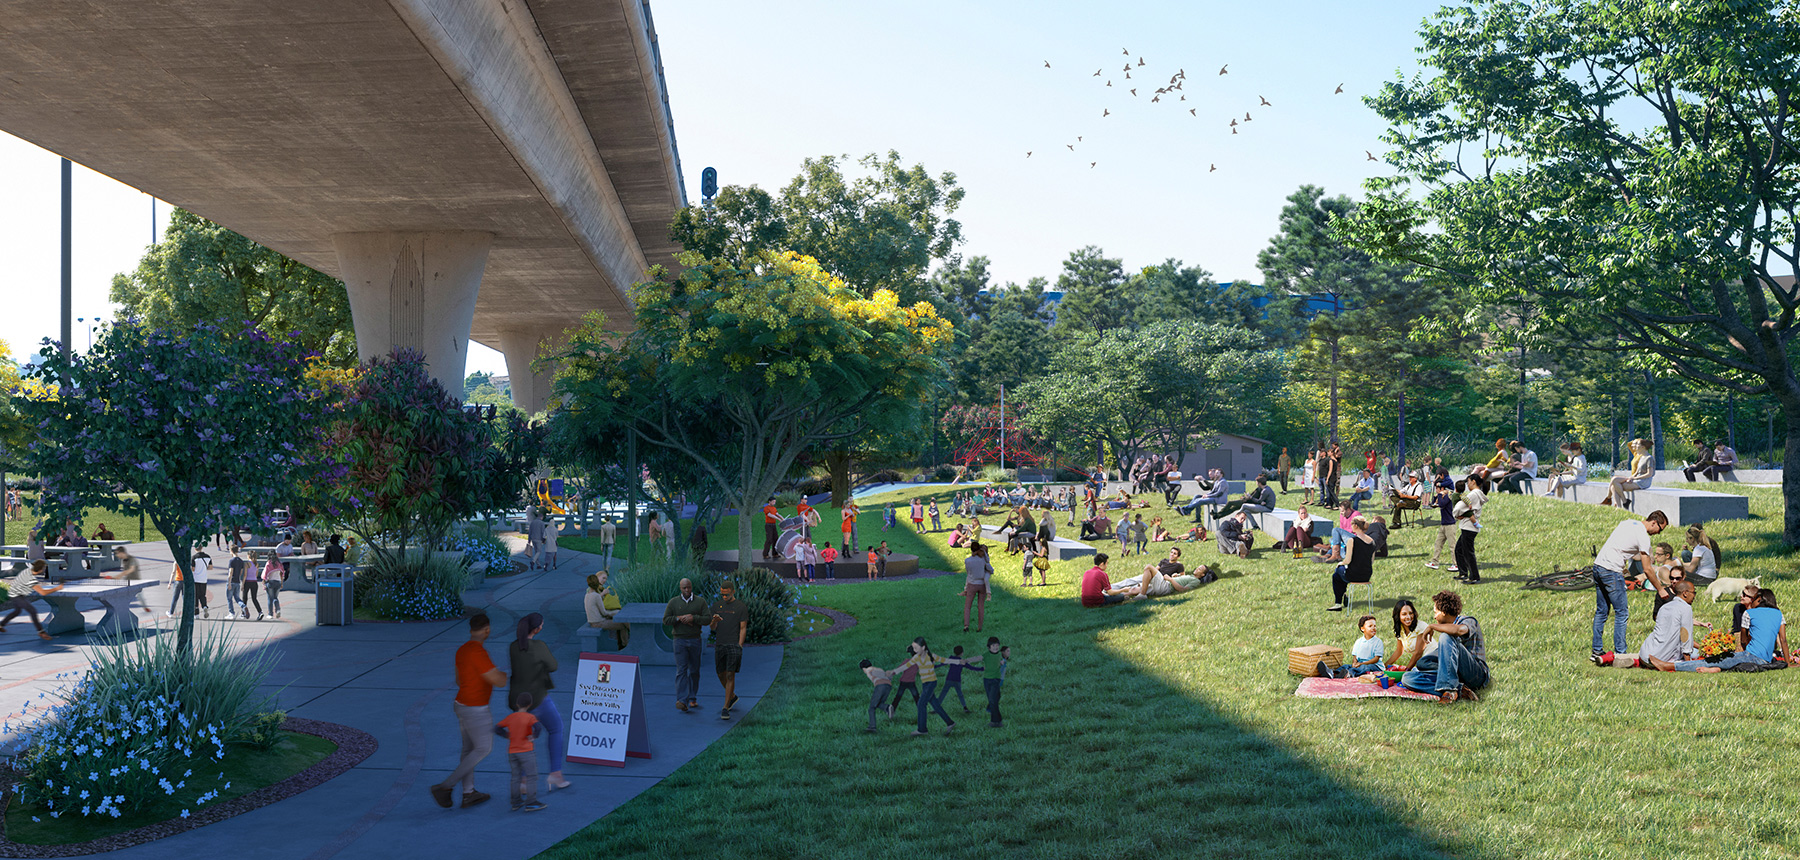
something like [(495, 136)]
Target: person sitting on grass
[(1159, 534), (1673, 638), (1299, 535), (1235, 537), (1412, 635), (1365, 654), (960, 536), (1096, 588), (1702, 564), (1097, 528), (1459, 667), (1763, 640)]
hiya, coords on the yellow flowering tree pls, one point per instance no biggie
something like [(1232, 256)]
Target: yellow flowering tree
[(772, 349)]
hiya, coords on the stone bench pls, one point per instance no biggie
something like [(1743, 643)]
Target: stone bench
[(1682, 507), (1735, 476), (115, 594), (1276, 523), (649, 644), (1060, 549), (596, 639)]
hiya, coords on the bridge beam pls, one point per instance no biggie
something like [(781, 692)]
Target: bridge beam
[(415, 290)]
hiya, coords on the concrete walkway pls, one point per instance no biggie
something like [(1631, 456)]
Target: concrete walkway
[(395, 681)]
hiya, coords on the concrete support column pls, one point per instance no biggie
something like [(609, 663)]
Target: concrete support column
[(417, 290), (530, 389)]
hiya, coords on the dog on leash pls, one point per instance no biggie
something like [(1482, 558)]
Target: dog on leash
[(1729, 585)]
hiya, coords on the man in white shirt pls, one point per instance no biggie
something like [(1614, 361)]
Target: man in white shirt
[(1524, 467), (1673, 638), (1629, 541)]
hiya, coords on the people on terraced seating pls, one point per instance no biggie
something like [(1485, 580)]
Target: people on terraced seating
[(1570, 474), (1521, 467), (1260, 499), (1643, 471), (1214, 490), (1299, 535)]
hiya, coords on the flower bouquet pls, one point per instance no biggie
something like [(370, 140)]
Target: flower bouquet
[(1717, 645)]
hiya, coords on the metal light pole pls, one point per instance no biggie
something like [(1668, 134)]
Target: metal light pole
[(68, 262)]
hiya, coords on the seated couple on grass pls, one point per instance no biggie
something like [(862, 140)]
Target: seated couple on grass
[(1762, 643), (1163, 578)]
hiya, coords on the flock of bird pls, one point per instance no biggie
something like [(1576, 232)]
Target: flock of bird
[(1173, 88)]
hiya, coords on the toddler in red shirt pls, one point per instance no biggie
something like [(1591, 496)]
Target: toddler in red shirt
[(519, 727), (829, 557)]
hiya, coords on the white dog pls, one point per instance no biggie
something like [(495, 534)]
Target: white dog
[(1730, 585)]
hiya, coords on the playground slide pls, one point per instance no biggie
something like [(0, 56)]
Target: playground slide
[(549, 491)]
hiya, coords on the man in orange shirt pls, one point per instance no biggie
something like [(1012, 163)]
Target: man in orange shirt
[(476, 678), (771, 519)]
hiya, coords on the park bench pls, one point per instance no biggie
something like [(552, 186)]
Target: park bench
[(1277, 522), (649, 643), (115, 594), (1060, 549), (1682, 507)]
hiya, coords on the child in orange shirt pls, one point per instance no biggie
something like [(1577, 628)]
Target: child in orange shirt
[(519, 728), (873, 559), (828, 557)]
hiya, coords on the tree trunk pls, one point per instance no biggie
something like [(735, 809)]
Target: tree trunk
[(1400, 443), (839, 464), (1656, 434), (1334, 386), (744, 535), (1790, 468)]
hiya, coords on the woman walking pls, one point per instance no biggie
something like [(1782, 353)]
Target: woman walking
[(532, 665), (926, 663), (273, 574), (978, 574), (253, 581)]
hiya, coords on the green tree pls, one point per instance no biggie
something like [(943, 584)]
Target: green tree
[(878, 231), (1628, 168), (201, 427), (780, 353), (1096, 296), (1308, 258), (204, 273)]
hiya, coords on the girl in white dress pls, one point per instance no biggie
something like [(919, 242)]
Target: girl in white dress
[(1307, 481)]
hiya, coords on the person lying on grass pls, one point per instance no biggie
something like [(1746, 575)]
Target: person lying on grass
[(1763, 640), (1459, 667), (1163, 578)]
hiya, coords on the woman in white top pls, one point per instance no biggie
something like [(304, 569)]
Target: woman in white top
[(1299, 535), (1307, 481), (1643, 469), (1577, 473), (1468, 512), (594, 602), (1703, 564), (977, 573), (1412, 635)]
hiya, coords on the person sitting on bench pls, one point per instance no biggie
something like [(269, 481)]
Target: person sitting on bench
[(1570, 475), (1214, 490), (1643, 471), (1703, 459), (1724, 459), (1260, 500), (1522, 467)]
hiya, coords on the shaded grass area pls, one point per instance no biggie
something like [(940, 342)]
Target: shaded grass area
[(1170, 727), (246, 768), (122, 526)]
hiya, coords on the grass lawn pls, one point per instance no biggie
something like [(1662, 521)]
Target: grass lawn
[(247, 770), (122, 526), (1169, 727)]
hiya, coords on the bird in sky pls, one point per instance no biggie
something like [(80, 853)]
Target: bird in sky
[(1264, 101), (1339, 90), (1128, 68), (1223, 68), (1091, 164), (1105, 112), (1096, 73), (1191, 112), (1071, 146), (1184, 98), (1126, 51), (1027, 153), (1234, 129), (1078, 138), (1046, 64), (1234, 123), (1134, 92), (1155, 99), (1128, 76), (1109, 83), (1182, 73), (1140, 61), (1246, 116), (1371, 155), (1212, 168)]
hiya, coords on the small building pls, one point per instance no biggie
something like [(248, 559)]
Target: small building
[(1237, 457)]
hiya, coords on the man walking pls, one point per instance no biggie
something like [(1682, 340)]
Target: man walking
[(609, 535), (1283, 465), (476, 678), (1629, 541), (731, 625), (684, 615), (771, 524)]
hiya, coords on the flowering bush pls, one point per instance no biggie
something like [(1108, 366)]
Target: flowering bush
[(412, 587), (146, 721), (485, 548)]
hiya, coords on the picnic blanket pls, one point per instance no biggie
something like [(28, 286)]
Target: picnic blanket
[(1353, 688)]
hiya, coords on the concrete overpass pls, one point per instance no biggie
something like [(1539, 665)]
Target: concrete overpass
[(472, 169)]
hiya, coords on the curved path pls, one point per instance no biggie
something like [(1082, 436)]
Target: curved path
[(394, 681)]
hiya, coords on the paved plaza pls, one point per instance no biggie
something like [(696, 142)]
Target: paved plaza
[(394, 681)]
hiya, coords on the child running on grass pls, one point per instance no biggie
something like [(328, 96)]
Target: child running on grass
[(927, 663), (887, 517), (883, 683), (953, 669), (519, 727), (905, 678)]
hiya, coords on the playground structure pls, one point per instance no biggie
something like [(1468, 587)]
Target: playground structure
[(550, 494), (999, 440)]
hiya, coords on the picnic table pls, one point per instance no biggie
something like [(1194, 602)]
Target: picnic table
[(72, 557), (115, 594), (649, 643), (51, 564), (296, 572), (105, 560)]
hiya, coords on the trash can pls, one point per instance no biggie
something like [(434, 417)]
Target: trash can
[(335, 598)]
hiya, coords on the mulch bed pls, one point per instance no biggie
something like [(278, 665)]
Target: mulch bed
[(353, 746)]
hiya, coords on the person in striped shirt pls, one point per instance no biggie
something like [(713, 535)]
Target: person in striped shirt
[(927, 663)]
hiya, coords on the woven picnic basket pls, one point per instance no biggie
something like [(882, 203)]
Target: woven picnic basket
[(1304, 661)]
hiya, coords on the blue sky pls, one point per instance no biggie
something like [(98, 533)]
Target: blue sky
[(959, 87)]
